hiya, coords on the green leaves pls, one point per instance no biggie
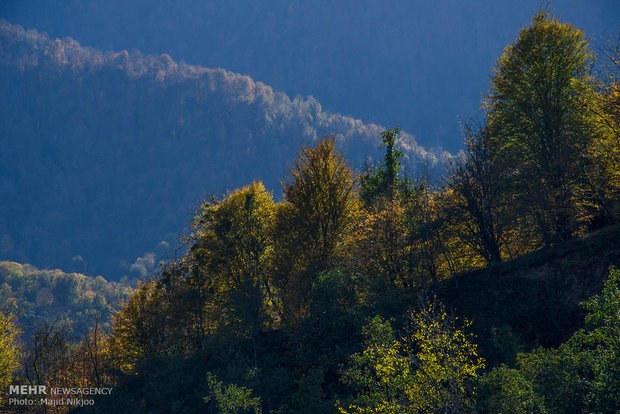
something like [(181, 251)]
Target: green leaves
[(580, 376), (431, 369), (538, 123), (231, 399), (384, 182)]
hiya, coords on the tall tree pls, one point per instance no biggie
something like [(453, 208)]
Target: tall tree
[(477, 183), (604, 177), (314, 225), (141, 328), (384, 182), (539, 127), (230, 247)]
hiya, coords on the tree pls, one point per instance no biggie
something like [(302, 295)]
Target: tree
[(539, 127), (141, 329), (603, 179), (381, 247), (580, 376), (477, 182), (431, 369), (48, 355), (506, 390), (446, 361), (231, 399), (230, 253), (382, 243), (384, 182), (433, 247), (381, 371), (9, 351), (314, 225)]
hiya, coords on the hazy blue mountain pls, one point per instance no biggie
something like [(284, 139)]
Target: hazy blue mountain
[(417, 63), (105, 154)]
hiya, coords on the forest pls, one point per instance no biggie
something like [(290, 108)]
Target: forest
[(491, 290), (142, 135), (417, 64)]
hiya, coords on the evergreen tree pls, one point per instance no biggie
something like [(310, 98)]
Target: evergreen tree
[(384, 182)]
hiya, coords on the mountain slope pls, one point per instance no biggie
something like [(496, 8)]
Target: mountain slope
[(72, 300), (516, 306), (105, 154), (533, 300), (415, 63)]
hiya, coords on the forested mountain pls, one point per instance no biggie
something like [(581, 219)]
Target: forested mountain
[(416, 63), (104, 154), (71, 301), (492, 290)]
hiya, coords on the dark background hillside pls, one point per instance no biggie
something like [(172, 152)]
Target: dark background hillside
[(419, 64), (105, 154)]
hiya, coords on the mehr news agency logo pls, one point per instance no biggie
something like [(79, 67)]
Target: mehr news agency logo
[(32, 395)]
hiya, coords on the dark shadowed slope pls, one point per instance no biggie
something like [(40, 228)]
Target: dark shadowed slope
[(417, 63), (105, 154)]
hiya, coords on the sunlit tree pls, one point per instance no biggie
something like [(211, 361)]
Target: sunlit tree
[(430, 369), (314, 225), (9, 351), (539, 127)]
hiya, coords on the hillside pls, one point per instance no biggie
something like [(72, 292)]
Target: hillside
[(73, 300), (533, 300), (106, 153), (415, 63), (515, 307)]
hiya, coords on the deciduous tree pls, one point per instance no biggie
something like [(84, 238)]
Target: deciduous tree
[(314, 225), (539, 127)]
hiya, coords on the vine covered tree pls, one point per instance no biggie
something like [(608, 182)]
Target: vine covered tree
[(384, 182)]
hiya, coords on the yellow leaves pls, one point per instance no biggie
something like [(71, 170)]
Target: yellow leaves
[(430, 369), (381, 244), (446, 360), (323, 193), (9, 352), (313, 227)]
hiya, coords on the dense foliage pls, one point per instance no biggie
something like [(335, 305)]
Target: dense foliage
[(37, 296), (431, 369), (581, 376), (9, 351)]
